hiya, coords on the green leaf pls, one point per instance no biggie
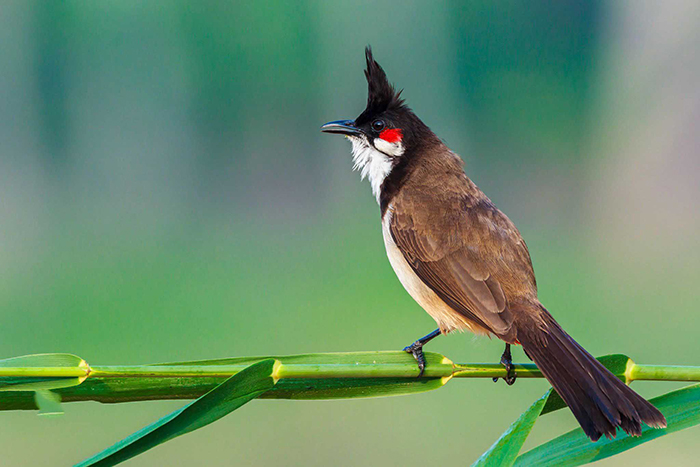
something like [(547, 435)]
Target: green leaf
[(351, 388), (220, 401), (681, 408), (57, 360), (505, 450), (26, 373), (49, 403)]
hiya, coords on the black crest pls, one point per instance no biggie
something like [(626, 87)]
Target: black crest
[(381, 94)]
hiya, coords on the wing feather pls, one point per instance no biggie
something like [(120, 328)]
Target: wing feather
[(449, 267)]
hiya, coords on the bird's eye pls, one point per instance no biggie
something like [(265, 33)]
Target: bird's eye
[(378, 125)]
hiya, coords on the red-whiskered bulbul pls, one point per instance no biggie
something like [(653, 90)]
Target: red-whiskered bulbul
[(466, 264)]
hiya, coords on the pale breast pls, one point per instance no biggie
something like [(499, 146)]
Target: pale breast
[(447, 319)]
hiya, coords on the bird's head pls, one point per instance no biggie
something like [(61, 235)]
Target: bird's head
[(384, 132)]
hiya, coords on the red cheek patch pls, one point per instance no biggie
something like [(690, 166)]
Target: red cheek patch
[(394, 135)]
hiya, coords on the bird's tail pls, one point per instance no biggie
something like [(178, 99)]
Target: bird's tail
[(599, 400)]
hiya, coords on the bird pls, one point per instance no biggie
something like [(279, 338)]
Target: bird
[(465, 262)]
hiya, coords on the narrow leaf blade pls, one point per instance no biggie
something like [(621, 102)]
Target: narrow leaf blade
[(681, 409), (220, 401), (49, 403), (505, 450), (38, 364), (351, 388), (43, 360)]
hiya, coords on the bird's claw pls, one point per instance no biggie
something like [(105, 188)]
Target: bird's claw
[(510, 371), (416, 349), (507, 362)]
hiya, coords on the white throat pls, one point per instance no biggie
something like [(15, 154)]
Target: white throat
[(372, 163)]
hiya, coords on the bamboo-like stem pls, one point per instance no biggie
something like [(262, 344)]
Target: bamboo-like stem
[(635, 372), (494, 370), (286, 371), (663, 373), (43, 372), (314, 376)]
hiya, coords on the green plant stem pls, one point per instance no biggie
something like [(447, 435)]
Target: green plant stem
[(313, 376), (635, 372), (494, 370), (286, 371), (46, 372)]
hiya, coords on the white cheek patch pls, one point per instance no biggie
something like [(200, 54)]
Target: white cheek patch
[(372, 164), (392, 149)]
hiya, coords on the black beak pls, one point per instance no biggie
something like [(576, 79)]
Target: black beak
[(341, 127)]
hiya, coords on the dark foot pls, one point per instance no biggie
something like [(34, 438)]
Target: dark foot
[(507, 362), (510, 369), (416, 349)]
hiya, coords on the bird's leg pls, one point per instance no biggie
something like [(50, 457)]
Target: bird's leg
[(416, 349), (507, 362)]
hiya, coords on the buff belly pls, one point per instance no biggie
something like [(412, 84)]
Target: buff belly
[(446, 318)]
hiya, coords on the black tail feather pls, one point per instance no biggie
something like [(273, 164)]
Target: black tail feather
[(598, 399)]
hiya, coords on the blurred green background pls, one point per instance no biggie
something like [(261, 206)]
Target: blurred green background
[(165, 194)]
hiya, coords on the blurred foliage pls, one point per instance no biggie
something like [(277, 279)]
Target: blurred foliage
[(526, 70)]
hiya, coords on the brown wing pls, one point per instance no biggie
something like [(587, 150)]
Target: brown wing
[(464, 253)]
